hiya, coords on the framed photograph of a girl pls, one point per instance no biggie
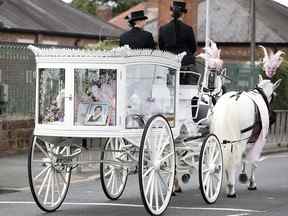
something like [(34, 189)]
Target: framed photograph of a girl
[(97, 114)]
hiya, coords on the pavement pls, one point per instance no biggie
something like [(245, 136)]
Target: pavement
[(85, 196)]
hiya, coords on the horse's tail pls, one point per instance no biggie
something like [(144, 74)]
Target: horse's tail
[(225, 124)]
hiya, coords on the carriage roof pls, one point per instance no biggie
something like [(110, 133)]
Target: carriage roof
[(119, 55)]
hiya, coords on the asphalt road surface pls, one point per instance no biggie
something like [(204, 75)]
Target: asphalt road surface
[(85, 197)]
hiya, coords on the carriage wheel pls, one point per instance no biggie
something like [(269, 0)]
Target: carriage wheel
[(210, 169), (49, 176), (113, 177), (156, 165)]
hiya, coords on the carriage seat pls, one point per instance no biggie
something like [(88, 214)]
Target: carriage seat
[(199, 110)]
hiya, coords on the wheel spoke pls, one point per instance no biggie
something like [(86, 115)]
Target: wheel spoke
[(207, 186), (44, 181), (160, 190), (156, 192), (52, 189), (152, 190), (163, 181), (166, 157), (58, 185), (108, 173), (160, 140), (147, 172), (63, 178), (48, 188), (206, 179), (40, 174), (110, 179), (215, 157), (211, 151), (42, 150), (149, 182)]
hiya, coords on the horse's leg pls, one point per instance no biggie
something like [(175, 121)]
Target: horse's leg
[(243, 177), (177, 187), (230, 175), (252, 181)]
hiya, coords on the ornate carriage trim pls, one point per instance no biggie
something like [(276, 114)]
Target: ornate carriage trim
[(123, 52)]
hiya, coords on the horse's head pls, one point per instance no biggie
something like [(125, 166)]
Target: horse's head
[(271, 61), (268, 87)]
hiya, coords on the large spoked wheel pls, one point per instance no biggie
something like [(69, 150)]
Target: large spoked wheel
[(49, 174), (210, 169), (113, 177), (156, 165)]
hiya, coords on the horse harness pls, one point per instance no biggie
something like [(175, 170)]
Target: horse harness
[(256, 127)]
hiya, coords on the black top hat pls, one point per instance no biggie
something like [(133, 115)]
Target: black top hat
[(136, 15), (179, 6)]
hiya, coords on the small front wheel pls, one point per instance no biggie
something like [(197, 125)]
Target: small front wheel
[(113, 177), (210, 169), (156, 165), (49, 173)]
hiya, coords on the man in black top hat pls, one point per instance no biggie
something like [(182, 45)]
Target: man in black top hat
[(136, 37), (176, 36)]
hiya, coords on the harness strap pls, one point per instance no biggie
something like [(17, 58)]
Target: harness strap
[(261, 92)]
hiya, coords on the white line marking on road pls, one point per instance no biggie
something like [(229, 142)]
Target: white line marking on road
[(242, 214), (141, 206)]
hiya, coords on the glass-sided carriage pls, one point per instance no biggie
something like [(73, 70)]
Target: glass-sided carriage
[(132, 98)]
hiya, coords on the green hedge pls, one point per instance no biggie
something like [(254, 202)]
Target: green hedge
[(281, 100)]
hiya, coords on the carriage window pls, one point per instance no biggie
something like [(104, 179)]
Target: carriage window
[(51, 95), (95, 97), (150, 90)]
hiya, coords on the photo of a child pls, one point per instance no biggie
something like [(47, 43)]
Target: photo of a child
[(97, 114)]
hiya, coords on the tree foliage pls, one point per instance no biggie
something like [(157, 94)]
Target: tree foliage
[(281, 100), (90, 6)]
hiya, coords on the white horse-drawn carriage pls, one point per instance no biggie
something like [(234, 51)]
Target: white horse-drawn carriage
[(134, 99), (151, 122)]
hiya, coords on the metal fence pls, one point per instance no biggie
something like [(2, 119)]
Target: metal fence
[(278, 133), (17, 80), (241, 76)]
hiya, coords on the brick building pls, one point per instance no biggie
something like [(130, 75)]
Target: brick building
[(229, 27), (51, 22)]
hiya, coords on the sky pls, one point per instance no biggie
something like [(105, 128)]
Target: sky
[(284, 2), (67, 1)]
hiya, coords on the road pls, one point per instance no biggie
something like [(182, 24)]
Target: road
[(86, 198)]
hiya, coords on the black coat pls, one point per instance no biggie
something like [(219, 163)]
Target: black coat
[(177, 37), (137, 38)]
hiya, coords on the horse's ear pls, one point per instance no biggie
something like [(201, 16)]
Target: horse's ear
[(276, 84), (260, 78)]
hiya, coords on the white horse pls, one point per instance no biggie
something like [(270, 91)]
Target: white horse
[(234, 122)]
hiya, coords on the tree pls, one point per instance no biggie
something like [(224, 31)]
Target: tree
[(118, 6), (85, 6)]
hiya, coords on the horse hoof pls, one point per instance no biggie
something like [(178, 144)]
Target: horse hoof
[(178, 190), (232, 195), (252, 188), (243, 178)]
